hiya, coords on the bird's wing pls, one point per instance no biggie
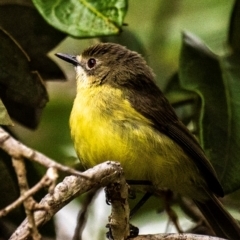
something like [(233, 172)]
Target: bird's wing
[(150, 102)]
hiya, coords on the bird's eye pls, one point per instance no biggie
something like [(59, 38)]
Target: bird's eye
[(91, 63)]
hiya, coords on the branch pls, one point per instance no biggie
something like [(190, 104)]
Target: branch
[(101, 175), (47, 180), (18, 150), (117, 195), (175, 236), (29, 202), (71, 187)]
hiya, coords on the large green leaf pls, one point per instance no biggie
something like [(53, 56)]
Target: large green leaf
[(184, 102), (219, 123), (36, 37), (21, 89), (234, 30), (231, 75), (84, 18)]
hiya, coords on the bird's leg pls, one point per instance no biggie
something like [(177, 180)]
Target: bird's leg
[(145, 197)]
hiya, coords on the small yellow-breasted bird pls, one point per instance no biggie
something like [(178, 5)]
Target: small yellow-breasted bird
[(120, 114)]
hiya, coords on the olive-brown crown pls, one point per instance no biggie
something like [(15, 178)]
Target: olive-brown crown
[(116, 65)]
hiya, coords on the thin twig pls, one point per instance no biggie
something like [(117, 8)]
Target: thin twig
[(47, 180), (64, 192), (18, 150), (81, 219), (20, 169)]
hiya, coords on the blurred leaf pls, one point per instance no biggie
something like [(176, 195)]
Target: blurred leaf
[(55, 123), (34, 35), (19, 85), (200, 71), (234, 30), (17, 81), (185, 102), (4, 117), (127, 38), (9, 190), (26, 115), (9, 193), (88, 18), (176, 94), (231, 75)]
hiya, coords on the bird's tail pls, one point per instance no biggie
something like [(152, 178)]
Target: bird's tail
[(222, 223)]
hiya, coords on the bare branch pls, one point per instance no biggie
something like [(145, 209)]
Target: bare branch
[(64, 192), (117, 195), (175, 236), (72, 186), (18, 150), (48, 179), (19, 166)]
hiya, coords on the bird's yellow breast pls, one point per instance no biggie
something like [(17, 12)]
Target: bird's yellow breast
[(104, 126)]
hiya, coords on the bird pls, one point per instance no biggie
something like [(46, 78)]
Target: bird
[(119, 113)]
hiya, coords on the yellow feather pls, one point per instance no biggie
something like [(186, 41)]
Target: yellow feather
[(104, 126)]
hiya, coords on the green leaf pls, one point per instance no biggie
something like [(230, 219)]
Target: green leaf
[(20, 88), (178, 96), (21, 20), (4, 117), (231, 75), (129, 39), (84, 18), (9, 192), (184, 102), (219, 121), (234, 30)]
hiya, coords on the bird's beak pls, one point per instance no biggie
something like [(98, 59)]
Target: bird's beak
[(68, 58)]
